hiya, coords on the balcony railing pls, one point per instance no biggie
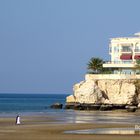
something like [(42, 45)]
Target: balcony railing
[(120, 62), (137, 50), (126, 50)]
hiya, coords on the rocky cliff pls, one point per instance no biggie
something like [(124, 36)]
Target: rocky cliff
[(106, 91)]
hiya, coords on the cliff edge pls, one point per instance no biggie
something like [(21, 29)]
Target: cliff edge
[(106, 91)]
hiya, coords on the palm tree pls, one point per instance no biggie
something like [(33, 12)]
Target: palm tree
[(95, 64)]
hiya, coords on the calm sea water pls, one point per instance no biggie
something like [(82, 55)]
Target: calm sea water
[(19, 103), (38, 104)]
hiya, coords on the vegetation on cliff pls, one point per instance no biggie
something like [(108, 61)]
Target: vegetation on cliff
[(95, 66)]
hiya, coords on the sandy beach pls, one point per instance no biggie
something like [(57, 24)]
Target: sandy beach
[(46, 128)]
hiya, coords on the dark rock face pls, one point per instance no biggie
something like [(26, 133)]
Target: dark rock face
[(101, 107), (131, 108), (119, 106), (69, 105), (91, 106), (78, 106), (106, 107), (57, 106)]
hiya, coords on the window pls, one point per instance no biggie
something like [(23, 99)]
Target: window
[(126, 48), (137, 49)]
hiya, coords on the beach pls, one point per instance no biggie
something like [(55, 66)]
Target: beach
[(70, 70), (39, 122), (47, 128)]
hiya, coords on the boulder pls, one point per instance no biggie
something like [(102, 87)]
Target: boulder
[(56, 106), (131, 108), (70, 99)]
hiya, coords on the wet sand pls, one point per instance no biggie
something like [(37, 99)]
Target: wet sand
[(46, 128)]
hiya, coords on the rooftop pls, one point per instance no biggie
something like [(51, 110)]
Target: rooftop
[(135, 37)]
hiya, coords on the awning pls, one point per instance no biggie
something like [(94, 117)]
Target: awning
[(126, 56), (137, 57)]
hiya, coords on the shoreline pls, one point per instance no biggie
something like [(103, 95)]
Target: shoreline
[(81, 116), (47, 127)]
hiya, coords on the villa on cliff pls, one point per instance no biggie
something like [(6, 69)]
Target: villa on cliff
[(121, 88), (124, 52)]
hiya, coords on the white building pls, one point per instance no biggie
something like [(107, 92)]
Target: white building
[(124, 52)]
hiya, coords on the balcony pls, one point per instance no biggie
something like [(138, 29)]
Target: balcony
[(137, 50), (119, 64), (126, 50)]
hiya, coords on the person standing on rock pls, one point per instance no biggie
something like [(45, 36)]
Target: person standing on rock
[(18, 120)]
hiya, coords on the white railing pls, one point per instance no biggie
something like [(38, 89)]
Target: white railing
[(137, 50), (120, 62)]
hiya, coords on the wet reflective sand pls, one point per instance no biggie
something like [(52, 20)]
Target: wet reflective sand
[(119, 131), (117, 117)]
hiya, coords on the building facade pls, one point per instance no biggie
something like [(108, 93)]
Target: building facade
[(124, 51)]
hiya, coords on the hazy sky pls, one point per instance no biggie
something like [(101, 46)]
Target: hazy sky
[(45, 45)]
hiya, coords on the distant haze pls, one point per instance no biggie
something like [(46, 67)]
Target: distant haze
[(45, 45)]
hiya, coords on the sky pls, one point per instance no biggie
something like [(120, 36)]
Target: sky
[(45, 45)]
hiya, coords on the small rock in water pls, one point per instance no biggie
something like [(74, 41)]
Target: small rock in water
[(131, 108), (57, 106)]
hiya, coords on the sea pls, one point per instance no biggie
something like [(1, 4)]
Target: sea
[(12, 105), (29, 103)]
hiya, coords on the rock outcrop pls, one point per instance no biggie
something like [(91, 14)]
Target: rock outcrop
[(107, 91), (131, 108), (70, 99), (56, 106)]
